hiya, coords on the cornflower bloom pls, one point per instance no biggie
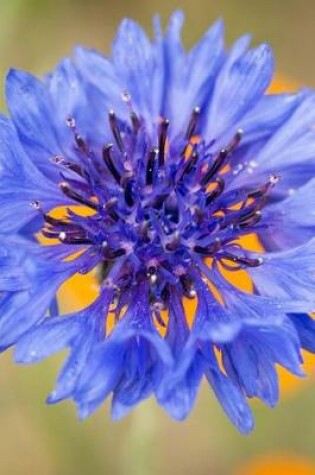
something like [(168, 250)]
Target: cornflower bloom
[(151, 168)]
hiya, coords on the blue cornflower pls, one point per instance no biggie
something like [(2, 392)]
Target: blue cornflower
[(160, 163)]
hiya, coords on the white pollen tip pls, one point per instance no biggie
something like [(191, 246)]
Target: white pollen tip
[(126, 97), (192, 293), (62, 236), (153, 279), (70, 121), (273, 179), (35, 205)]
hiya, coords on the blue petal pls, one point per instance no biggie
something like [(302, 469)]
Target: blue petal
[(178, 389), (90, 326), (288, 274), (239, 87), (134, 355), (268, 115), (289, 152), (24, 309), (250, 360), (74, 93), (47, 338), (32, 113), (175, 56), (305, 327), (93, 66), (191, 76), (135, 64), (99, 377), (251, 371), (229, 395), (290, 222)]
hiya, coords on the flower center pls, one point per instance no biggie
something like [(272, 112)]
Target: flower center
[(159, 205)]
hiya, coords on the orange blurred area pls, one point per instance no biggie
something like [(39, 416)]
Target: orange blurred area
[(278, 464)]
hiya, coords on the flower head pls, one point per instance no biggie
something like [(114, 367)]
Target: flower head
[(151, 169)]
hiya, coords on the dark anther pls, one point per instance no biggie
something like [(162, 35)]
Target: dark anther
[(250, 219), (81, 143), (129, 193), (189, 165), (108, 208), (162, 140), (152, 275), (171, 207), (193, 123), (55, 222), (69, 165), (235, 141), (112, 254), (150, 166), (174, 243), (188, 287), (136, 124), (165, 294), (217, 164), (208, 250), (151, 270), (115, 130), (246, 261), (65, 188), (213, 195), (273, 180), (157, 314), (221, 158), (66, 238), (107, 157)]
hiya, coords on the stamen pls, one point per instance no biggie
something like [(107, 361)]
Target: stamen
[(209, 250), (74, 167), (246, 261), (192, 123), (211, 197), (70, 193), (188, 287), (129, 193), (217, 164), (109, 162), (250, 219), (162, 140), (136, 124), (235, 141), (189, 165), (221, 158), (66, 238), (272, 181), (81, 143), (150, 166), (112, 254), (115, 130)]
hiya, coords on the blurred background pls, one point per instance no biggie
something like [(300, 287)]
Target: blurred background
[(34, 35)]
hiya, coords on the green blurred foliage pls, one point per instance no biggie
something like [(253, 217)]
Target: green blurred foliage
[(34, 35)]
